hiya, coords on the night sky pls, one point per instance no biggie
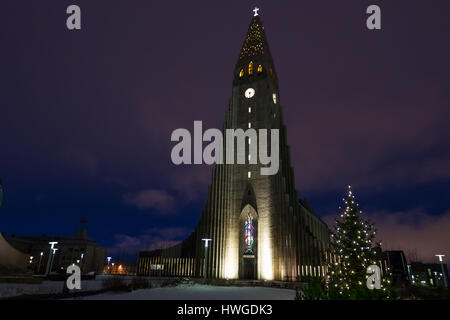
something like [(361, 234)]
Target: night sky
[(86, 116)]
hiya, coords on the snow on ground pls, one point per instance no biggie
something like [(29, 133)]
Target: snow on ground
[(179, 292), (46, 287), (199, 292)]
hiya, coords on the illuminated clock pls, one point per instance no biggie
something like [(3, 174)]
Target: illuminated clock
[(250, 92)]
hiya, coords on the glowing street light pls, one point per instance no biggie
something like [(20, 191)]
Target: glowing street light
[(53, 258), (81, 262), (440, 256), (50, 256), (206, 253), (40, 260), (109, 260)]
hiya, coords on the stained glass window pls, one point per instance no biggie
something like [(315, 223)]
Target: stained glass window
[(249, 236)]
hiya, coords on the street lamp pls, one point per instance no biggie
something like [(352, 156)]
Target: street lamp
[(40, 260), (81, 262), (50, 256), (206, 253), (53, 258), (443, 269), (108, 259)]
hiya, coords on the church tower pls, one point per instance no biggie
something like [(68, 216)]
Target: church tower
[(260, 230)]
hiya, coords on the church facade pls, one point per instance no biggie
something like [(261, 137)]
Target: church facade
[(258, 226)]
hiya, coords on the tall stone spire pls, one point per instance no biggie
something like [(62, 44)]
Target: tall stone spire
[(255, 41), (255, 51), (260, 229)]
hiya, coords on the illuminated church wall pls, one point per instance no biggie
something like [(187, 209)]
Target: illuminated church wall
[(289, 240)]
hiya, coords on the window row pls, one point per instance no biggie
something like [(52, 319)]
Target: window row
[(250, 70)]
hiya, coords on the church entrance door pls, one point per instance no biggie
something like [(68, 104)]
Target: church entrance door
[(249, 268)]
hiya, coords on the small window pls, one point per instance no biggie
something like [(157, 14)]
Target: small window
[(249, 125), (249, 110), (274, 97), (249, 157), (259, 68), (249, 174), (241, 73), (250, 68), (249, 140)]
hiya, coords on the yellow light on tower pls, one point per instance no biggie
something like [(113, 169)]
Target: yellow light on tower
[(250, 68)]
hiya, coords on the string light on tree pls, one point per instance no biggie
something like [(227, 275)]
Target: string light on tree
[(353, 245)]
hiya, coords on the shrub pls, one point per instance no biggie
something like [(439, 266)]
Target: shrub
[(140, 283), (114, 284), (169, 282), (314, 290)]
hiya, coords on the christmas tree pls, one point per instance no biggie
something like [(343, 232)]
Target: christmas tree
[(353, 250)]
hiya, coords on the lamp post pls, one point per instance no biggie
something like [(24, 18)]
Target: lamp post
[(40, 260), (81, 262), (206, 257), (53, 258), (443, 269), (50, 256), (108, 259)]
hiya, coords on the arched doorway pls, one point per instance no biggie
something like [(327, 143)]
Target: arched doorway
[(248, 244)]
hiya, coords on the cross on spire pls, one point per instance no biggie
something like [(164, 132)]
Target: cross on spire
[(256, 11)]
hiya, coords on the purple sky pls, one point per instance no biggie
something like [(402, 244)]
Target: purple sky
[(86, 116)]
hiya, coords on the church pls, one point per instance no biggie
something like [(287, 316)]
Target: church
[(256, 225)]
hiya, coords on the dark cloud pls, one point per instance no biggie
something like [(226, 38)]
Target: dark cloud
[(152, 239), (79, 158), (160, 200), (361, 107), (372, 141)]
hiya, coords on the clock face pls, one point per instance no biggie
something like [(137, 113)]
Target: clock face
[(250, 92)]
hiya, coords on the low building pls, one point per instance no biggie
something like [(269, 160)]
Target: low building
[(394, 262), (427, 274), (121, 268), (80, 250)]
